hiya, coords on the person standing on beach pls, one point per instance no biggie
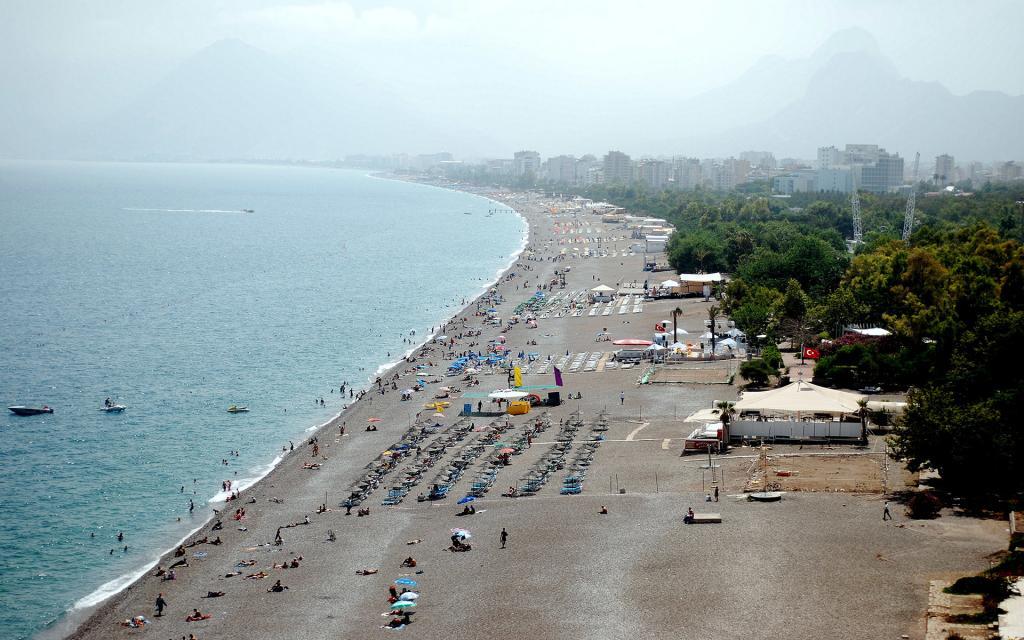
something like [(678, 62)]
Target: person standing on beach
[(504, 537), (886, 514), (622, 397), (160, 604)]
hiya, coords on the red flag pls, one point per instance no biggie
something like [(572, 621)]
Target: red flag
[(812, 353), (558, 377)]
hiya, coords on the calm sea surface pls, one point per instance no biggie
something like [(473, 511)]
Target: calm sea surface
[(145, 283)]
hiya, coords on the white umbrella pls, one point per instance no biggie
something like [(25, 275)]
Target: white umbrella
[(706, 335), (728, 342), (735, 333), (655, 347), (669, 284), (678, 346)]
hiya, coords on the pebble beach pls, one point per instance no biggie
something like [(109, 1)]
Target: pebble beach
[(813, 565)]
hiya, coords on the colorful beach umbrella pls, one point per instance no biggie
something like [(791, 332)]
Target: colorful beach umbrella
[(466, 499), (403, 604), (409, 582), (409, 595)]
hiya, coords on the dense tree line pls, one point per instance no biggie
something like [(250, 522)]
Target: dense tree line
[(953, 299)]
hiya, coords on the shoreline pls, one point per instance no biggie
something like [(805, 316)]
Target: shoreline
[(94, 603)]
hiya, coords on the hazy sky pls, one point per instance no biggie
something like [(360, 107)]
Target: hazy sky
[(97, 55)]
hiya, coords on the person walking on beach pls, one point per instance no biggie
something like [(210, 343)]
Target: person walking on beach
[(504, 537), (160, 604), (886, 514), (622, 397)]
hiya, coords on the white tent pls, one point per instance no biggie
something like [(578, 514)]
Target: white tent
[(800, 397), (669, 284), (602, 288), (655, 347), (700, 277), (735, 333), (507, 394), (877, 332), (677, 346)]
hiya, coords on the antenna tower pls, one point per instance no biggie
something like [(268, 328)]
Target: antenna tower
[(908, 219), (858, 225)]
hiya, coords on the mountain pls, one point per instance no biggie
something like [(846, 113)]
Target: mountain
[(233, 100), (860, 97), (847, 91)]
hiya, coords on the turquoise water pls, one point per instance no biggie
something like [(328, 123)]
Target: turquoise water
[(146, 284)]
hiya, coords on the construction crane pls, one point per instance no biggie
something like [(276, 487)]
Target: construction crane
[(908, 219)]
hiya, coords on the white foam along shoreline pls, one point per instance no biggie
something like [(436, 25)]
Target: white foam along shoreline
[(122, 582)]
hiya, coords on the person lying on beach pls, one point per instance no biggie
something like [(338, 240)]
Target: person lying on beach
[(214, 594), (217, 526), (232, 574), (217, 541), (159, 571), (180, 563), (246, 563), (277, 588), (180, 551), (168, 576), (416, 541), (135, 623), (197, 615), (366, 572), (409, 562), (257, 576), (311, 465), (195, 543)]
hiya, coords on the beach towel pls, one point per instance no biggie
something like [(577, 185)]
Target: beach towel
[(558, 377)]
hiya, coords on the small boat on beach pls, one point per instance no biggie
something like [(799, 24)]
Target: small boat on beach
[(113, 408), (765, 496), (19, 410), (237, 409), (248, 211)]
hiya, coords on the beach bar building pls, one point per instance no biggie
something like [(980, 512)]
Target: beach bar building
[(698, 283), (602, 293), (798, 412)]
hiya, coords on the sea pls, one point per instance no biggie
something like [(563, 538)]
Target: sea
[(149, 284)]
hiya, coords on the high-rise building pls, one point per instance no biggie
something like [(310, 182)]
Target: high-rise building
[(562, 169), (686, 173), (883, 175), (861, 154), (1008, 170), (618, 167), (759, 159), (526, 163), (829, 157), (655, 173), (945, 169), (794, 182)]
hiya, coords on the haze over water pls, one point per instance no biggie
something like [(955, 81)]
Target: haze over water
[(147, 284)]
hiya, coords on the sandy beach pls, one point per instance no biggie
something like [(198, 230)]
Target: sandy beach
[(818, 564)]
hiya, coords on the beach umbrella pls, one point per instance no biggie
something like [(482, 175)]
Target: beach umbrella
[(403, 604), (408, 582), (465, 500), (507, 394), (409, 595), (407, 391), (462, 533)]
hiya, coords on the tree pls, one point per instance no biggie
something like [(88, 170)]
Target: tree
[(794, 303), (713, 312), (757, 372)]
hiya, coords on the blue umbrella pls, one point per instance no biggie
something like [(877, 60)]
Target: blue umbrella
[(406, 581), (465, 500)]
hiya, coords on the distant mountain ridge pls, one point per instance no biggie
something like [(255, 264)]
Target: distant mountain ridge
[(855, 94)]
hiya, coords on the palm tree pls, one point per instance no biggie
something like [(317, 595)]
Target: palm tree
[(713, 313), (862, 411), (675, 324), (728, 410)]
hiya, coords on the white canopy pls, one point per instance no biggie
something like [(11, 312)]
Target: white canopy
[(873, 331), (602, 288), (705, 416), (669, 284), (507, 394), (728, 342), (655, 347), (679, 346), (700, 277), (735, 333), (800, 397)]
